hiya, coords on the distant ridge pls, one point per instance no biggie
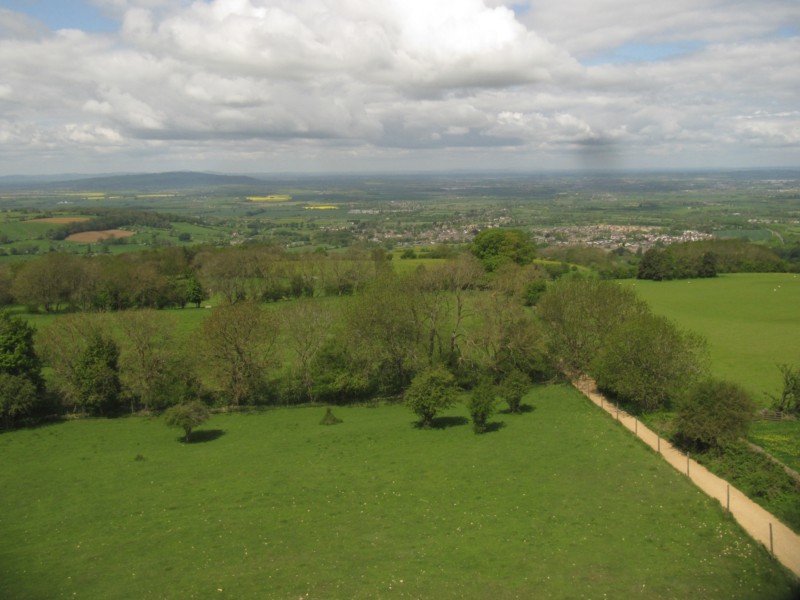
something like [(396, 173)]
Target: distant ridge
[(171, 180)]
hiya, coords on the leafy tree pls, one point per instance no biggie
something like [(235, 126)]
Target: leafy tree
[(17, 349), (513, 388), (154, 371), (789, 400), (647, 361), (51, 281), (21, 383), (581, 313), (496, 246), (187, 416), (482, 405), (236, 342), (431, 391), (97, 374), (306, 323), (18, 397), (715, 413)]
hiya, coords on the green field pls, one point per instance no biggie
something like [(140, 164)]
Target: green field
[(751, 322), (558, 503)]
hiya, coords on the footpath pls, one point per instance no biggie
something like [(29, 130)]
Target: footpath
[(761, 525)]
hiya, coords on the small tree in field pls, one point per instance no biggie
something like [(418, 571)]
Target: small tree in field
[(434, 389), (481, 405), (186, 416), (714, 414), (513, 388)]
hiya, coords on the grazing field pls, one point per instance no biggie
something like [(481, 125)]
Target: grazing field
[(557, 503), (751, 322)]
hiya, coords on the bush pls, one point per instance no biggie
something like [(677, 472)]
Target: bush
[(714, 414), (187, 416), (330, 418), (481, 405), (513, 388), (434, 389)]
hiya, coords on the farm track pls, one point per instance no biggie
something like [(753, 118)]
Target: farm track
[(760, 524)]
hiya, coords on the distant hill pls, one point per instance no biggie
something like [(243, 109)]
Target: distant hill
[(174, 180)]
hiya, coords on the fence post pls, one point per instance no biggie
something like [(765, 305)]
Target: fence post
[(636, 426), (687, 464), (771, 551), (659, 442), (728, 499)]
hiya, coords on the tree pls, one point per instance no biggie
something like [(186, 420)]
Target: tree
[(18, 397), (155, 373), (513, 387), (21, 383), (581, 313), (494, 247), (236, 342), (648, 361), (187, 416), (307, 323), (51, 281), (97, 375), (715, 413), (481, 405), (431, 391), (789, 400)]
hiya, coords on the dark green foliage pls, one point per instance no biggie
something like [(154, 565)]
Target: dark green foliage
[(533, 291), (647, 361), (97, 375), (714, 414), (431, 391), (482, 405), (21, 383), (580, 314), (706, 259), (513, 388), (758, 478), (330, 418), (18, 397), (789, 400), (496, 246), (112, 219), (187, 416)]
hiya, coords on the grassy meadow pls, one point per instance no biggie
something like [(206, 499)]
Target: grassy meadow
[(751, 322), (559, 502)]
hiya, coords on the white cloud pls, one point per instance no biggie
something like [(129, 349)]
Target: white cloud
[(349, 81)]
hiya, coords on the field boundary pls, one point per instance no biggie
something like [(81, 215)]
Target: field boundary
[(761, 525)]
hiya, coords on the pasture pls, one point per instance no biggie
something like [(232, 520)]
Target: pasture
[(751, 322), (559, 502)]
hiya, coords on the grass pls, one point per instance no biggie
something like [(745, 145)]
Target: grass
[(750, 321), (557, 503), (782, 438)]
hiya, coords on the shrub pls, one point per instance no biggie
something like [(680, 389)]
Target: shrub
[(187, 416), (481, 405), (714, 414), (432, 390)]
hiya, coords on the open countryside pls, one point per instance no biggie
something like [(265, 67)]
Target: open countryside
[(453, 457)]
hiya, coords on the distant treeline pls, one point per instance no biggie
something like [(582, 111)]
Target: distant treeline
[(707, 258), (113, 219)]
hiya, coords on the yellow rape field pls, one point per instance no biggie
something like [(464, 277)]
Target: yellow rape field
[(273, 198)]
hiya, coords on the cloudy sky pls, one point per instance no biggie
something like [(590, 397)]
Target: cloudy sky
[(375, 85)]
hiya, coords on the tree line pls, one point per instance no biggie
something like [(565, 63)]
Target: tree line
[(353, 330)]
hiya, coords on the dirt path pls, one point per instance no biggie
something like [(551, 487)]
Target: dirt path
[(762, 526)]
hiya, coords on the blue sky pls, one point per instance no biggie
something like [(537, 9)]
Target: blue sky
[(64, 14), (291, 85)]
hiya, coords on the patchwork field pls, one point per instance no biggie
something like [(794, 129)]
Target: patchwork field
[(95, 236), (557, 503)]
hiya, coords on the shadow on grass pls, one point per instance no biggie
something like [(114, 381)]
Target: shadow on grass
[(494, 426), (202, 436), (523, 409), (443, 423)]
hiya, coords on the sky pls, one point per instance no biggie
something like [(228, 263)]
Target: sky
[(307, 86)]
